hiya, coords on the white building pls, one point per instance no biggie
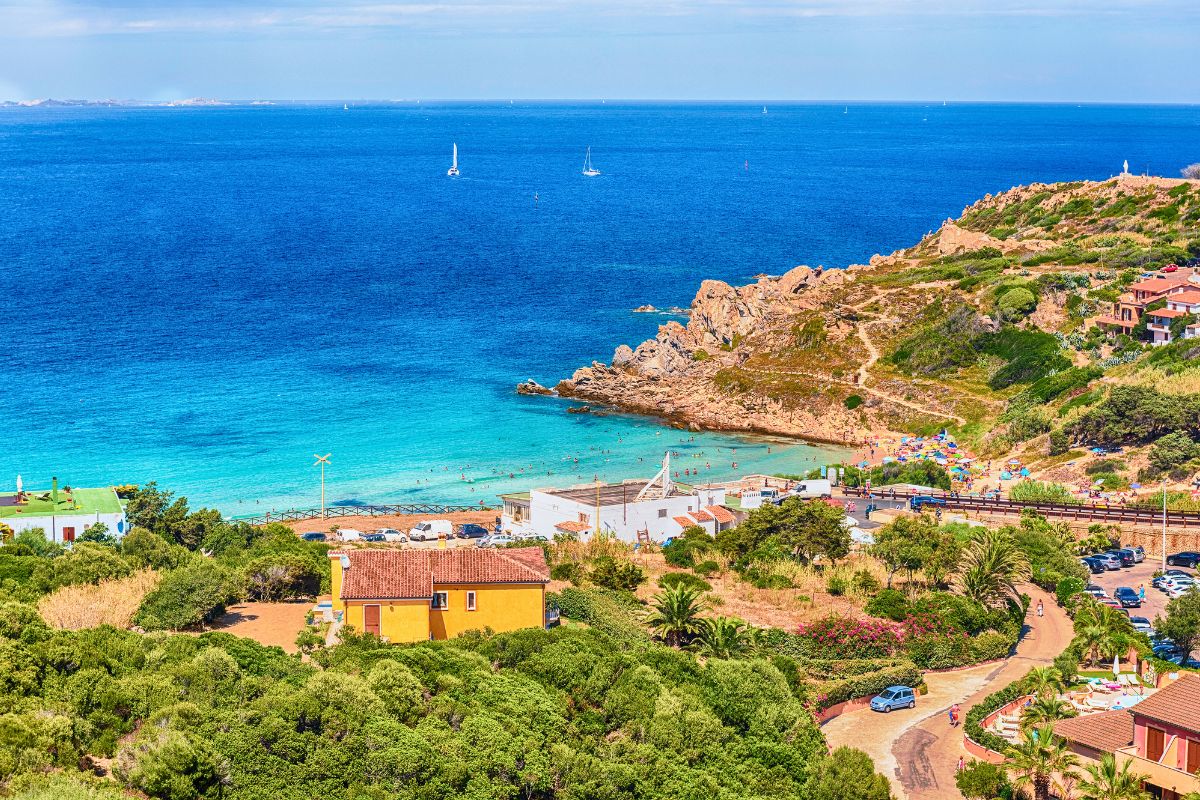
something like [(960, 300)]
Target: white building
[(63, 514), (631, 511)]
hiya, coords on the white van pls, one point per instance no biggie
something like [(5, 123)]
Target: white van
[(812, 489), (429, 530), (349, 535)]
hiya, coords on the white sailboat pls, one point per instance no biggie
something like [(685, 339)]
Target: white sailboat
[(453, 171), (764, 109), (588, 169), (345, 107)]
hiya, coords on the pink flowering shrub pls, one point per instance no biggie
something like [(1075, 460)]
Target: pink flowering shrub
[(845, 637)]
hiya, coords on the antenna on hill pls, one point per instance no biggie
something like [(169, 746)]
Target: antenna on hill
[(660, 485)]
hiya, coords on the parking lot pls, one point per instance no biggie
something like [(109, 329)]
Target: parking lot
[(1133, 577)]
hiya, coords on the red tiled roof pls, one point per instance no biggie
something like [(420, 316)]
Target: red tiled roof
[(684, 522), (1156, 285), (1124, 323), (701, 516), (407, 574), (721, 514), (1188, 296), (1167, 313), (573, 526), (1105, 731), (1175, 704)]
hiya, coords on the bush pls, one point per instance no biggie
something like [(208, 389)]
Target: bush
[(864, 582), (853, 401), (604, 611), (836, 585), (1016, 304), (1067, 589), (674, 580), (707, 568), (1172, 451), (188, 596), (889, 604), (1059, 442), (1042, 492), (973, 724), (981, 780), (609, 573), (991, 646), (569, 571)]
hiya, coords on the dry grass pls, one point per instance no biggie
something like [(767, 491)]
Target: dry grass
[(111, 602)]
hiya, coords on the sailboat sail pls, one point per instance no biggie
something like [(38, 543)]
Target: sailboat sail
[(454, 164), (588, 169)]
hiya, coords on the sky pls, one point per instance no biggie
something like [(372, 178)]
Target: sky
[(753, 50)]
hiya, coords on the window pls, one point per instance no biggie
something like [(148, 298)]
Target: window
[(440, 602), (470, 601), (68, 534), (662, 513)]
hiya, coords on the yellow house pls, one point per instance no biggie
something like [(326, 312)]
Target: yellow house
[(415, 595)]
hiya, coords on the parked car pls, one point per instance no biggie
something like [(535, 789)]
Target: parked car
[(1158, 580), (1111, 602), (391, 535), (915, 503), (349, 534), (373, 537), (1141, 625), (1180, 589), (496, 540), (429, 530), (1094, 565), (531, 537), (1127, 597), (1109, 561), (313, 536), (1139, 553), (472, 531), (1095, 591), (894, 697), (1175, 581), (1124, 557), (1188, 558)]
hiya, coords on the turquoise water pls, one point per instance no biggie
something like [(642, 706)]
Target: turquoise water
[(208, 297)]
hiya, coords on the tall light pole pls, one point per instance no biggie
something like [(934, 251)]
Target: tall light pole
[(1164, 531), (322, 460)]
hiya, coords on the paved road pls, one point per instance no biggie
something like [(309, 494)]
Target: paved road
[(918, 750)]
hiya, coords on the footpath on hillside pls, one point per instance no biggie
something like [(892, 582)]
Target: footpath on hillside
[(918, 751)]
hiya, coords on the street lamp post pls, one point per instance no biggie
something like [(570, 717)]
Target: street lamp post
[(322, 460), (1164, 527)]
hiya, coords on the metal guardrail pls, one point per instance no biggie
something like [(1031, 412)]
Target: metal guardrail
[(1104, 513), (331, 512)]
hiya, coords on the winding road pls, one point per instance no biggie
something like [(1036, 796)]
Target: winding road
[(918, 750)]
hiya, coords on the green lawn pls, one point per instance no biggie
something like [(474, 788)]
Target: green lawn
[(83, 501)]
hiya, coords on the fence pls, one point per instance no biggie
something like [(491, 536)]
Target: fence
[(301, 514), (1091, 512)]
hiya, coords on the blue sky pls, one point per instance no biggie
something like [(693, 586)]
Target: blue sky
[(769, 50)]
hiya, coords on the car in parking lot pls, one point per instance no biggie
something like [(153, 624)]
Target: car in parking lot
[(471, 531), (313, 536), (1110, 561), (1124, 557), (349, 534), (1111, 602), (374, 537), (894, 697), (496, 540), (391, 535), (1180, 589), (1094, 565), (1127, 597), (1158, 580), (1095, 591), (1175, 581), (1187, 558), (430, 530), (1139, 553), (1141, 625)]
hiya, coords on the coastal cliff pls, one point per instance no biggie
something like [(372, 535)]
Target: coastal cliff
[(923, 338)]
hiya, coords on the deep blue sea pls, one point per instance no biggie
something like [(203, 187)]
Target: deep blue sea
[(206, 297)]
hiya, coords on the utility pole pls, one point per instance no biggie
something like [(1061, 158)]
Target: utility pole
[(322, 460), (1164, 529)]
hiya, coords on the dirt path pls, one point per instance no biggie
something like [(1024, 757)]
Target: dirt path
[(918, 750)]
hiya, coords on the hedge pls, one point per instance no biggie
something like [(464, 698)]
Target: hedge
[(974, 722), (830, 693), (607, 612)]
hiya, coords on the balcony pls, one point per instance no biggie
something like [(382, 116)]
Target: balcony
[(1157, 774)]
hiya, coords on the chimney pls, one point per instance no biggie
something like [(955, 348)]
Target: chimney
[(54, 491)]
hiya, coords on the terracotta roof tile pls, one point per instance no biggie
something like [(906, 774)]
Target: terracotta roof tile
[(1175, 704), (406, 574), (701, 516), (1166, 313), (1105, 731), (1159, 284), (685, 522), (1188, 296), (721, 514), (574, 526)]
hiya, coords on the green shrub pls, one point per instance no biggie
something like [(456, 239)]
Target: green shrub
[(864, 582), (991, 646), (981, 780), (607, 612), (674, 580), (1016, 304), (853, 401), (1041, 492), (836, 585), (889, 604), (1059, 443), (569, 571), (707, 568), (609, 573), (188, 596), (1067, 588)]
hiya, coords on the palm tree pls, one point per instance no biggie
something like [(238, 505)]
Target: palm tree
[(990, 569), (724, 637), (1101, 631), (1037, 759), (1043, 682), (675, 614), (1105, 781), (1045, 710)]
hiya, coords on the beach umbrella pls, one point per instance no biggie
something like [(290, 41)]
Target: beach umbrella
[(864, 464), (1024, 472), (19, 484), (1116, 666), (1014, 461)]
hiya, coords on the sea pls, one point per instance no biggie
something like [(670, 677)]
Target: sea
[(211, 297)]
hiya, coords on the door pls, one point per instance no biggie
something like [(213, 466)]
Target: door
[(68, 534), (371, 619), (1154, 743), (1193, 756)]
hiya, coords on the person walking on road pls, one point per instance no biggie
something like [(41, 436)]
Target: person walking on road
[(962, 764), (1039, 608)]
